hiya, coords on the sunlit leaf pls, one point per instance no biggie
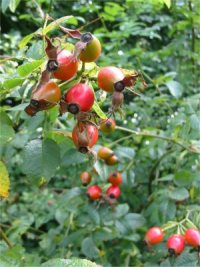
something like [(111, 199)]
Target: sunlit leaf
[(55, 24), (98, 110), (27, 68), (4, 180)]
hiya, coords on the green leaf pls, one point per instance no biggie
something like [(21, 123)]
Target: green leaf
[(167, 3), (6, 133), (175, 88), (33, 158), (89, 248), (55, 24), (125, 152), (167, 210), (179, 194), (41, 158), (72, 157), (98, 110), (121, 210), (25, 40), (187, 259), (11, 83), (4, 5), (56, 262), (13, 5), (133, 220), (5, 119), (195, 122), (51, 157), (183, 178), (74, 262), (26, 69), (93, 214)]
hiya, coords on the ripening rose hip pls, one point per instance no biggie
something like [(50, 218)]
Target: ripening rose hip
[(108, 126), (85, 178), (115, 178), (80, 98), (192, 237), (49, 92), (92, 50), (105, 153), (45, 97), (108, 76), (113, 160), (154, 236), (67, 67), (84, 136), (175, 244), (94, 192)]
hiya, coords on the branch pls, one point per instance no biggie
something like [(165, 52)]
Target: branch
[(147, 134)]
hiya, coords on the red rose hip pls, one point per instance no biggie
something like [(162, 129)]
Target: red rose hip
[(115, 178), (108, 76), (192, 237), (175, 244), (84, 136), (79, 98), (67, 67), (154, 236), (94, 192), (113, 192)]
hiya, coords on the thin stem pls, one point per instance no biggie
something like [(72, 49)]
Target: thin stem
[(4, 237), (169, 227), (147, 134), (119, 140), (152, 172), (193, 45)]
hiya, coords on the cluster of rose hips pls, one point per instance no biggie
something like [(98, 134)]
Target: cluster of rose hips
[(95, 192), (63, 65), (108, 156), (176, 242)]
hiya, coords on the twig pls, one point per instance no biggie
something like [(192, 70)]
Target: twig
[(152, 172), (147, 134), (4, 237)]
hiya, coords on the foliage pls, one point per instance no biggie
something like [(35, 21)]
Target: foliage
[(47, 214)]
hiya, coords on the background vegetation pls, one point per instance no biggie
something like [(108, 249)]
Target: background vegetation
[(47, 214)]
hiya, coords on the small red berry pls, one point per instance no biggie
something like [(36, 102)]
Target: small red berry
[(175, 244), (115, 178), (105, 153), (79, 98), (113, 192), (94, 192), (192, 237), (67, 67), (108, 125), (85, 178), (108, 76), (113, 160), (154, 236)]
